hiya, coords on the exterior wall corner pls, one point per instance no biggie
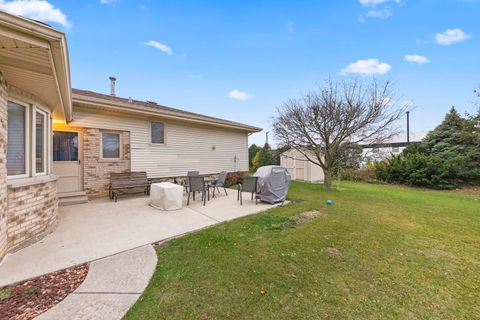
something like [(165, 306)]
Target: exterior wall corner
[(3, 167)]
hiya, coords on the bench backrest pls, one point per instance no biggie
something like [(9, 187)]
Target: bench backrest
[(127, 179)]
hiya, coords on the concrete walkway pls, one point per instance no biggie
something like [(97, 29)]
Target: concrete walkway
[(112, 286), (101, 228)]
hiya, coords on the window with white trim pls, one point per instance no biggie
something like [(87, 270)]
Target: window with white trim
[(395, 149), (17, 116), (28, 140), (111, 145), (157, 132), (40, 142)]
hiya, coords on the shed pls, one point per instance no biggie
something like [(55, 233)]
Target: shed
[(300, 168)]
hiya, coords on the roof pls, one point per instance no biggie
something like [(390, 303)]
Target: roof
[(34, 58), (94, 99)]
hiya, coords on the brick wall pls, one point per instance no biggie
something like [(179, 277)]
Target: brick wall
[(3, 167), (31, 212), (96, 173)]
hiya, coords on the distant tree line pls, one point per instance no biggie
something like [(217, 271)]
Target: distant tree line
[(263, 156)]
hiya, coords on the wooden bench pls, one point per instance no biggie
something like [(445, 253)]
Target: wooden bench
[(127, 181)]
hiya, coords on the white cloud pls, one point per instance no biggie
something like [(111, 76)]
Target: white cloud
[(290, 27), (40, 10), (451, 36), (367, 3), (416, 58), (160, 46), (371, 2), (380, 13), (106, 1), (384, 12), (239, 95), (367, 67)]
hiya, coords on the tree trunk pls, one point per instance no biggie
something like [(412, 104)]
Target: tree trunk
[(328, 178)]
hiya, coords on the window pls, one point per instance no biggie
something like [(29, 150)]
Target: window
[(28, 141), (40, 139), (110, 145), (17, 133), (375, 150), (65, 146), (158, 132), (395, 149)]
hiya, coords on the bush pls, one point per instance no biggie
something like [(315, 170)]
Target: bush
[(447, 158), (367, 174), (422, 170), (234, 178)]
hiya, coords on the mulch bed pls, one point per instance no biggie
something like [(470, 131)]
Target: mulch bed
[(28, 299)]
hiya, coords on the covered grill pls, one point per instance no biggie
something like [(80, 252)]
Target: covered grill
[(273, 183)]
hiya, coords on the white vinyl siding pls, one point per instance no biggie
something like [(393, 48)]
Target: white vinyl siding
[(207, 149)]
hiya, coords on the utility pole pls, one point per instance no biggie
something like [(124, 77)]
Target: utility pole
[(408, 128)]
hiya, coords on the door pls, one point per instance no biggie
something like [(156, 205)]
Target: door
[(299, 169), (67, 161), (287, 162)]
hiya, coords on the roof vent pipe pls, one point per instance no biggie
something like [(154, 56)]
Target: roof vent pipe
[(112, 86)]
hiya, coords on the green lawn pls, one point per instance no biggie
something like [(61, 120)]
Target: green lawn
[(380, 252)]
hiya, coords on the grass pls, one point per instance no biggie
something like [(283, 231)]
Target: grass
[(30, 291), (380, 252), (5, 293)]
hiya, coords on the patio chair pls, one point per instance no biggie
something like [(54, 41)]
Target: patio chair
[(187, 182), (197, 184), (220, 183), (249, 184)]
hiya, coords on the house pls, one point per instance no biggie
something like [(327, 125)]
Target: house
[(395, 145), (300, 168), (57, 142)]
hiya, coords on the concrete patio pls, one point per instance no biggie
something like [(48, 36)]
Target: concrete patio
[(101, 228)]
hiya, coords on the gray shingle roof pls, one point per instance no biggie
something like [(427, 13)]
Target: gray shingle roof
[(114, 100)]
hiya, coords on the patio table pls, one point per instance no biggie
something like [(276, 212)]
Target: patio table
[(166, 196)]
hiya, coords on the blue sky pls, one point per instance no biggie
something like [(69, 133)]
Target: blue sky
[(239, 60)]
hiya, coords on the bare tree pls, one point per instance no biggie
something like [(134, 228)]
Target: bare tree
[(323, 125)]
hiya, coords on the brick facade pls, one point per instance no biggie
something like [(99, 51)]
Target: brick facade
[(32, 212), (96, 171), (28, 209), (3, 167)]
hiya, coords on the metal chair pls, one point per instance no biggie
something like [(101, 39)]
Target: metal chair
[(249, 184), (187, 182), (197, 184), (220, 183)]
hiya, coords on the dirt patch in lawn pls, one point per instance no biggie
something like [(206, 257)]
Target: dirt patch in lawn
[(28, 299), (333, 252), (307, 215)]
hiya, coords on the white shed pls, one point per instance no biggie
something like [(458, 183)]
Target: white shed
[(300, 168)]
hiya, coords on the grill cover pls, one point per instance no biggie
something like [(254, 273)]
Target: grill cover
[(273, 183)]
